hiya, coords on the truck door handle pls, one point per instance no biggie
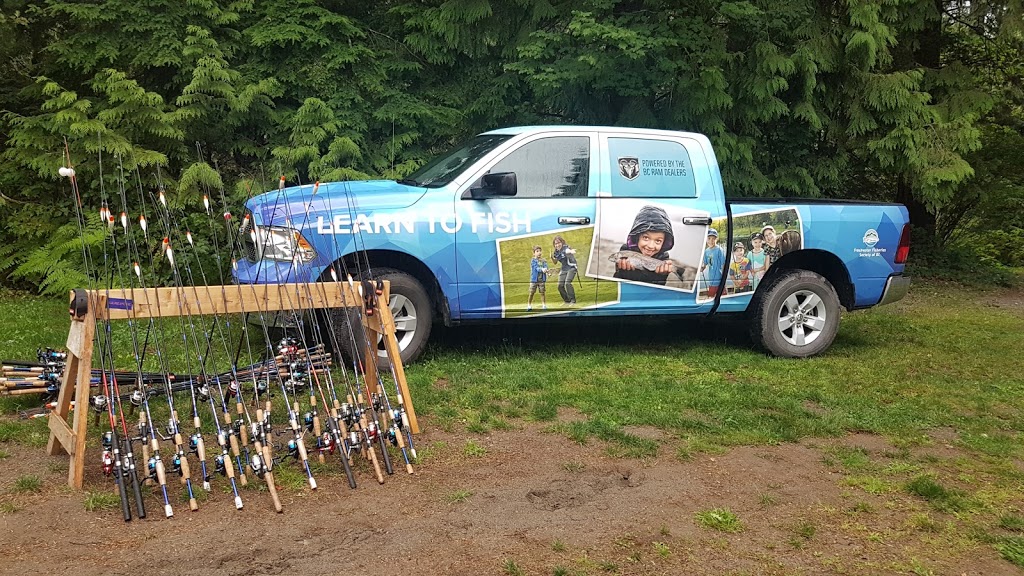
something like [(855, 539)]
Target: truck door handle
[(697, 221), (579, 220)]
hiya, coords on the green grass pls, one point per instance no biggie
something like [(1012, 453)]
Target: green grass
[(458, 496), (28, 483), (510, 567), (102, 500), (944, 499), (474, 450), (721, 519), (936, 360)]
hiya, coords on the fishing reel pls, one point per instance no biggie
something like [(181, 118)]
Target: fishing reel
[(288, 347), (98, 403), (107, 459), (50, 376), (396, 417), (237, 426), (353, 441), (256, 463), (256, 431), (376, 402), (203, 393), (171, 428), (262, 387), (372, 431), (231, 391), (137, 397), (293, 384), (219, 466), (293, 448), (267, 428), (392, 437), (51, 357), (298, 370), (176, 464), (193, 443), (325, 443), (107, 463), (151, 469), (347, 414), (53, 389)]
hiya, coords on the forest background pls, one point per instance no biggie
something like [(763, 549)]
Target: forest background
[(914, 101)]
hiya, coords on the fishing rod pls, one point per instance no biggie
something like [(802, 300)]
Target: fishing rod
[(399, 417), (147, 425), (335, 437), (232, 431), (117, 458), (370, 432), (296, 445), (259, 460), (223, 461)]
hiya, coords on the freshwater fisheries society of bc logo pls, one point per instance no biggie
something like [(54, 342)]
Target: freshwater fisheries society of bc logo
[(629, 167), (871, 238)]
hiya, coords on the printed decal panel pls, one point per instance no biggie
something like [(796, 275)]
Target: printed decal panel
[(543, 274), (643, 241)]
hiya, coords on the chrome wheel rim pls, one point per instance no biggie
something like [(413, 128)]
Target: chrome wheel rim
[(802, 318), (406, 319)]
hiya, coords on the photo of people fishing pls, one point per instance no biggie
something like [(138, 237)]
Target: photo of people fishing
[(544, 273), (759, 240)]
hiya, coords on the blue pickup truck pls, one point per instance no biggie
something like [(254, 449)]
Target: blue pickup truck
[(548, 221)]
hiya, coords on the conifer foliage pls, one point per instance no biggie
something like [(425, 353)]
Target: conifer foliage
[(907, 100)]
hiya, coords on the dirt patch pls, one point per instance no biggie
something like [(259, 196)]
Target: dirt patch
[(533, 501), (1011, 300)]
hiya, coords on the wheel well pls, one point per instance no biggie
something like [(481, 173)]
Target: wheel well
[(408, 264), (820, 262)]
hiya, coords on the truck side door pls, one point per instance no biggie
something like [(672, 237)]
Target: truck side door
[(661, 223), (500, 274)]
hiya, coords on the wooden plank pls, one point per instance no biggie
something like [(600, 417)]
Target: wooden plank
[(170, 301), (60, 430), (79, 345), (387, 321)]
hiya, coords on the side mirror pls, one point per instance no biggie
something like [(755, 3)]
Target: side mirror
[(498, 184)]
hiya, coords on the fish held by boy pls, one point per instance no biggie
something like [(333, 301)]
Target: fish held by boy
[(638, 260)]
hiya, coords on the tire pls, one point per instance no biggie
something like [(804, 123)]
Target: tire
[(413, 312), (796, 316)]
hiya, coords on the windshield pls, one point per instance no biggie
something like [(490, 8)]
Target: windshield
[(442, 170)]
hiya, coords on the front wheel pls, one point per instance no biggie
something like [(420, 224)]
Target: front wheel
[(796, 316), (410, 306)]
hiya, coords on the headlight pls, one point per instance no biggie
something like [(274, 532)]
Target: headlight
[(279, 243)]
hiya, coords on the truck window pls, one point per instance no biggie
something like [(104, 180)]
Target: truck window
[(648, 168), (556, 167), (442, 170)]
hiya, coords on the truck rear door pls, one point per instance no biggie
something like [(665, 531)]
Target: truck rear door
[(661, 227)]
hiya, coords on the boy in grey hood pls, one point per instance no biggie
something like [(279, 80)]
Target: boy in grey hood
[(651, 236)]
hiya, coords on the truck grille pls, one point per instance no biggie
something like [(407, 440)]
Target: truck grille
[(248, 247)]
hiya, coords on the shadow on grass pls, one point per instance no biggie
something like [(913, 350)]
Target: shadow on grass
[(592, 333)]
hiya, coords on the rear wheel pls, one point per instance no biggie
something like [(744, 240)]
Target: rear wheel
[(796, 316), (411, 308)]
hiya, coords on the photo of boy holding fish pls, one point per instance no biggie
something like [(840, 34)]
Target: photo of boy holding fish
[(647, 243), (644, 256)]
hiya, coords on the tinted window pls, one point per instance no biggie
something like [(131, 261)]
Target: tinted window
[(550, 167), (444, 169)]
